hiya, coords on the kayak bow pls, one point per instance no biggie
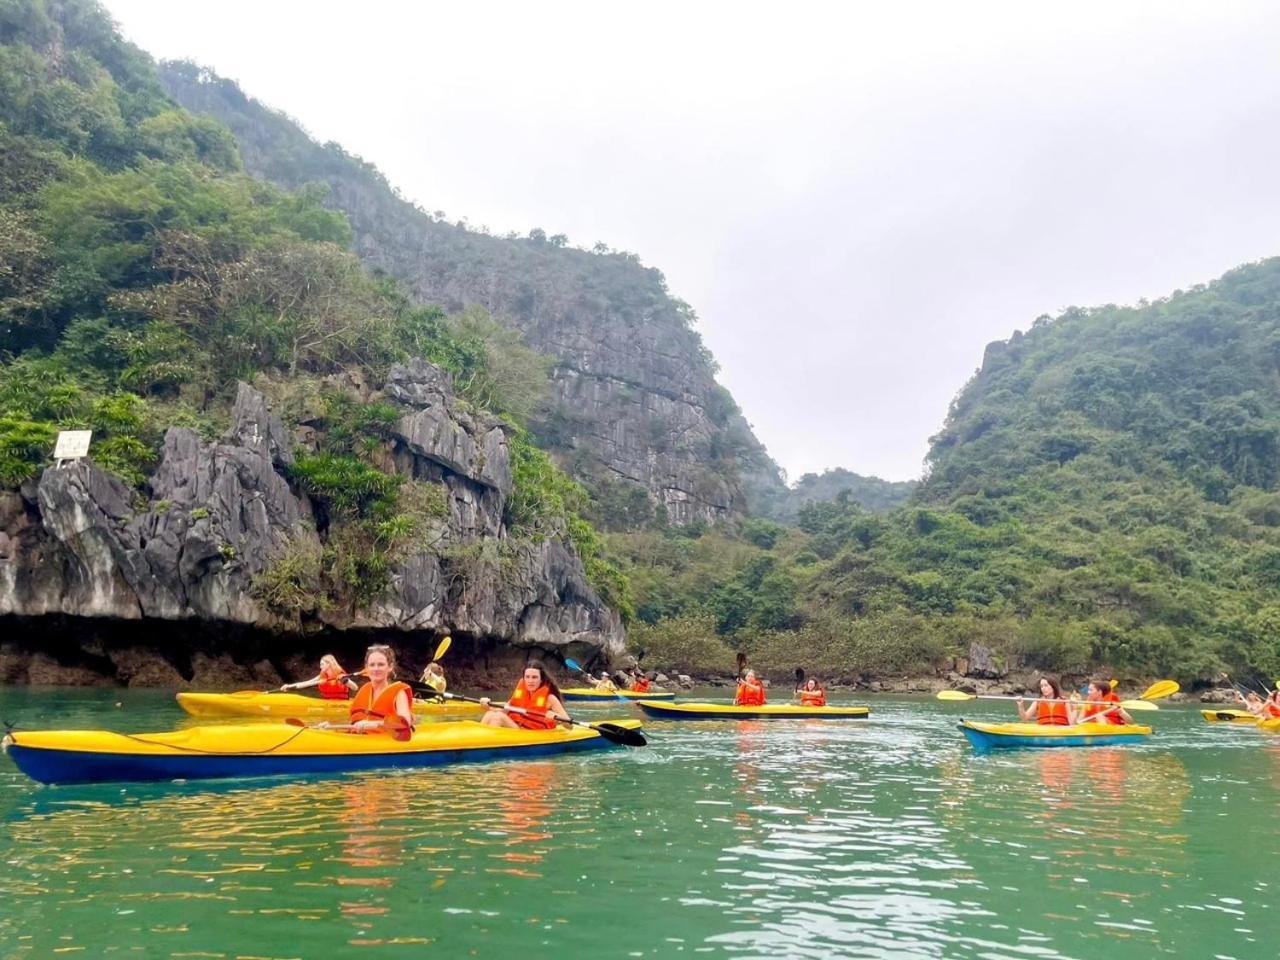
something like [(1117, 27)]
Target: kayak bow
[(1229, 716)]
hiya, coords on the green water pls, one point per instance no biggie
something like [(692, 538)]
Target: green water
[(882, 838)]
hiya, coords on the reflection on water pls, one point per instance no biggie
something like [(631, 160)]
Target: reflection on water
[(888, 838)]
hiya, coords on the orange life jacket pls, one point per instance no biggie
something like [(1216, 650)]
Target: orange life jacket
[(1052, 714), (749, 694), (813, 698), (641, 685), (381, 708), (1272, 709), (1111, 700), (536, 704), (332, 686), (1101, 712)]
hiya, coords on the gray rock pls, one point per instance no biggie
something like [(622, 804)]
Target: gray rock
[(79, 542), (984, 663), (634, 391)]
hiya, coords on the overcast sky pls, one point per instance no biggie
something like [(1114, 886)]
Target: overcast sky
[(855, 199)]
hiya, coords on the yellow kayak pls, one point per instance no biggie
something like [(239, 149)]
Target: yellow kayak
[(590, 694), (266, 749), (1273, 725), (1229, 716), (252, 703), (988, 736), (726, 711)]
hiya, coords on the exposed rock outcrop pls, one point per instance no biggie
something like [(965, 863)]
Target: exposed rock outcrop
[(80, 543), (635, 392)]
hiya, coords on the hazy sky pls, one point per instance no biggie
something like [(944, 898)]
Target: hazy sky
[(855, 198)]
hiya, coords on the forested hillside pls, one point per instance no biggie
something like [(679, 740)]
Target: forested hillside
[(871, 493), (634, 406), (1105, 491), (356, 458)]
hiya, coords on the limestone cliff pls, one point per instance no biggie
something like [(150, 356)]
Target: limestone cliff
[(78, 542), (635, 394)]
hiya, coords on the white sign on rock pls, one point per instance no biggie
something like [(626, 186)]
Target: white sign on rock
[(72, 445)]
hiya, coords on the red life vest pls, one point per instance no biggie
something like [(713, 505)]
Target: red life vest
[(641, 685), (813, 698), (332, 686), (1052, 714), (749, 694), (1272, 709), (536, 704), (381, 708)]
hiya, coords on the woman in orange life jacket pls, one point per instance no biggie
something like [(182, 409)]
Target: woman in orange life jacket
[(331, 680), (1052, 714), (537, 693), (382, 696), (812, 694), (1097, 706), (1271, 705), (640, 683), (750, 691)]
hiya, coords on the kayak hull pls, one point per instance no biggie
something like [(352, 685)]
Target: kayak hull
[(1229, 716), (997, 736), (1272, 725), (587, 695), (724, 711), (252, 703), (274, 749)]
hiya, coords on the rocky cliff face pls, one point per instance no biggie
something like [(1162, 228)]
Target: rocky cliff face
[(636, 399), (78, 542)]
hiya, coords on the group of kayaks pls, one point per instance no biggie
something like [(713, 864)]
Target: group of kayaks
[(266, 746), (447, 732)]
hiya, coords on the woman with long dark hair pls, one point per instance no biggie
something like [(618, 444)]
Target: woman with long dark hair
[(537, 699)]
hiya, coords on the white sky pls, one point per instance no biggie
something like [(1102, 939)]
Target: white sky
[(855, 198)]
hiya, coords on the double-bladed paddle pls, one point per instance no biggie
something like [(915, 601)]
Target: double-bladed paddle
[(610, 731)]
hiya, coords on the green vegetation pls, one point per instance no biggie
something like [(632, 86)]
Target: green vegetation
[(143, 272), (1105, 494), (871, 493)]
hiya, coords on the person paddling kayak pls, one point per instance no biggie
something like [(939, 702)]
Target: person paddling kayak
[(433, 677), (605, 684), (536, 693), (332, 680), (381, 697), (1099, 701), (812, 694), (750, 691), (1050, 714), (640, 683)]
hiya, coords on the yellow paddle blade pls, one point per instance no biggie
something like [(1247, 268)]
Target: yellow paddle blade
[(1160, 689), (955, 695), (444, 645), (1138, 705), (1114, 684)]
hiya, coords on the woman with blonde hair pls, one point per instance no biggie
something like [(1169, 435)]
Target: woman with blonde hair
[(382, 697)]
